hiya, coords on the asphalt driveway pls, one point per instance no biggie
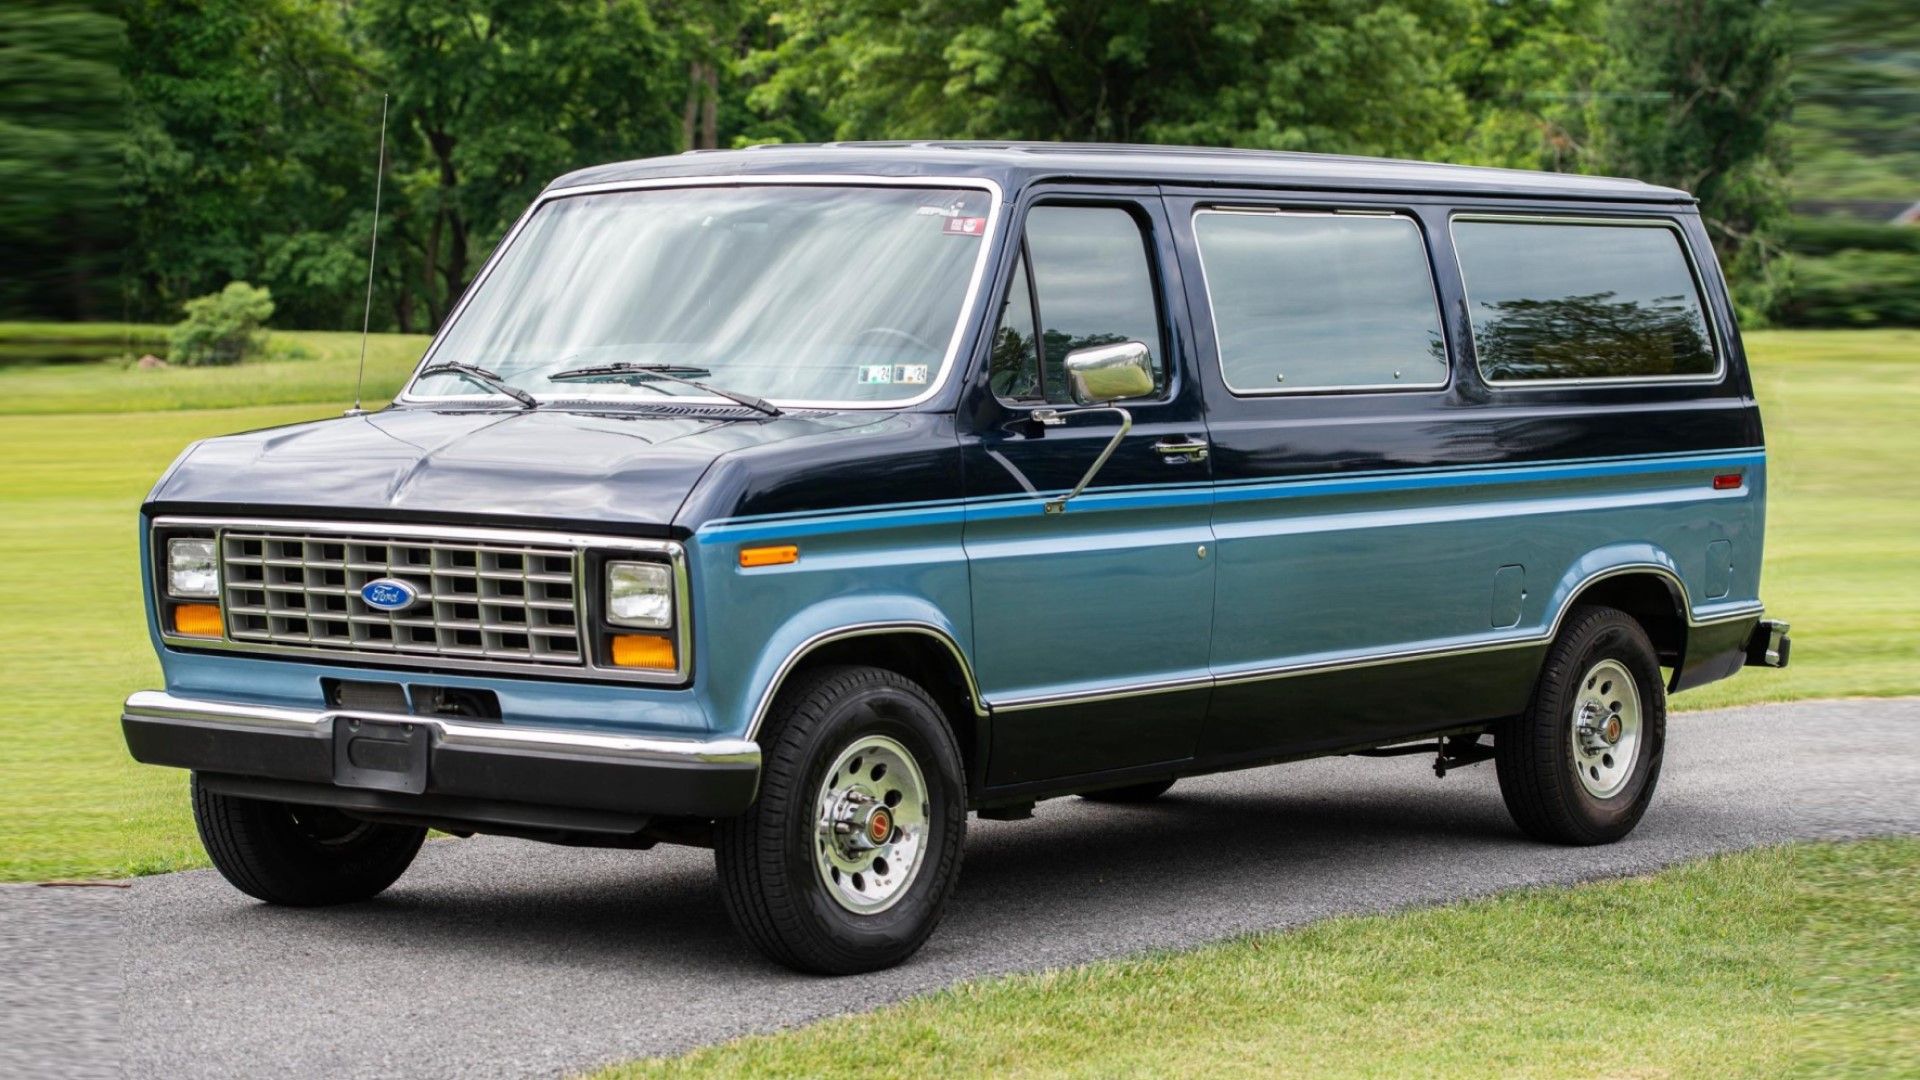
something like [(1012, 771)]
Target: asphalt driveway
[(503, 958)]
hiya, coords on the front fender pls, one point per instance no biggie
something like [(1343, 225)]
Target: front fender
[(837, 620), (752, 624)]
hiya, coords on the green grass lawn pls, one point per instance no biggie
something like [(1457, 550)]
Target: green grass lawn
[(324, 372), (1842, 412), (66, 343), (71, 802), (1790, 961), (1842, 563)]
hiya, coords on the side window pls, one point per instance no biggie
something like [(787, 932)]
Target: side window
[(1315, 301), (1570, 300), (1090, 285)]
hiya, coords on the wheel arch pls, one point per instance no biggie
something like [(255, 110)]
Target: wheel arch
[(1655, 599), (1648, 587), (921, 651)]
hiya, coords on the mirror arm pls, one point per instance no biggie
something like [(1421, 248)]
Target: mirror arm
[(1058, 504)]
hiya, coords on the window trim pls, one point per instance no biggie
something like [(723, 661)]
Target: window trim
[(1700, 297), (1426, 260), (1143, 222), (1022, 271)]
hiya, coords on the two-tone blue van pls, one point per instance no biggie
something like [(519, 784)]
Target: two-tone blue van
[(799, 501)]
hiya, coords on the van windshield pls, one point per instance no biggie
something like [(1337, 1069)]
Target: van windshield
[(804, 295)]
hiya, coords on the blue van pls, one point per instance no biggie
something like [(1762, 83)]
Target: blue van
[(799, 501)]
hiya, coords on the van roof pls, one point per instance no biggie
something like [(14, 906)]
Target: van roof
[(1015, 164)]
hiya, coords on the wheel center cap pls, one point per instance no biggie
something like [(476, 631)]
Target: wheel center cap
[(879, 825), (1610, 731)]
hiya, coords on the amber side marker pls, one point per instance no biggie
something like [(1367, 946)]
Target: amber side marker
[(779, 555), (1726, 481), (197, 620), (643, 651)]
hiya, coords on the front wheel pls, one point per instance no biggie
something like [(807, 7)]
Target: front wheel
[(301, 856), (844, 862), (1580, 765)]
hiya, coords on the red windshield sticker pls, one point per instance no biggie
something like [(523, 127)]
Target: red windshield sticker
[(964, 226)]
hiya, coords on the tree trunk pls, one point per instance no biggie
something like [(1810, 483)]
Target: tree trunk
[(446, 222), (689, 117), (710, 113), (456, 275)]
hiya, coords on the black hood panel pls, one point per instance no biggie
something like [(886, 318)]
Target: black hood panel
[(631, 470)]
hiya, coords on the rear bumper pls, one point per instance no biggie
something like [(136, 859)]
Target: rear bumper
[(432, 763)]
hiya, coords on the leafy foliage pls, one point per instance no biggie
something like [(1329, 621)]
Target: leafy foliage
[(493, 98), (1274, 74), (1855, 287), (222, 327), (1857, 91), (60, 142), (1698, 96), (1825, 236), (245, 123), (249, 127)]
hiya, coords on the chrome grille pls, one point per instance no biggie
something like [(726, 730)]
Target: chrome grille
[(482, 600)]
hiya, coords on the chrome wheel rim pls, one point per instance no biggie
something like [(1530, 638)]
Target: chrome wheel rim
[(870, 824), (1606, 728)]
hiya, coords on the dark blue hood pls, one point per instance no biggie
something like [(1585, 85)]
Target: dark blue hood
[(628, 470)]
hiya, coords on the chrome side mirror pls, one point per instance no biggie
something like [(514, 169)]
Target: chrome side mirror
[(1097, 377), (1107, 373)]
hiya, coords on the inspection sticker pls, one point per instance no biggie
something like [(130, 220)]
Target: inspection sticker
[(910, 373), (877, 373)]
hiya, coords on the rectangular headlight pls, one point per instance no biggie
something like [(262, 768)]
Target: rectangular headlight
[(640, 594), (192, 572)]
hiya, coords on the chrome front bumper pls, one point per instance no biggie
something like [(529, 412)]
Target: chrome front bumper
[(439, 763)]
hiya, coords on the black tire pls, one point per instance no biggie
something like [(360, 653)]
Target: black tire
[(1132, 793), (775, 890), (300, 856), (1539, 756)]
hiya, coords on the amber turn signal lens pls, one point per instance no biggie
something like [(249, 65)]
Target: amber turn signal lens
[(197, 620), (769, 556), (643, 651)]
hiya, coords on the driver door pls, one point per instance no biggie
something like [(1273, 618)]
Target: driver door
[(1091, 625)]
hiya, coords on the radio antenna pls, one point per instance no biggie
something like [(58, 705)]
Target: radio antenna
[(373, 249)]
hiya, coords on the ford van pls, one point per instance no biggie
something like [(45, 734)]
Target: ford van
[(800, 502)]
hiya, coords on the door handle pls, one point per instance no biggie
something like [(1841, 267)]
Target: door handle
[(1176, 451)]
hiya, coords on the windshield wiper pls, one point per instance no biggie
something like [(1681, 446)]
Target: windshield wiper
[(489, 379), (670, 372)]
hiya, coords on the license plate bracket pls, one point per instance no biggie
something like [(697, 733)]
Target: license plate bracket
[(384, 755)]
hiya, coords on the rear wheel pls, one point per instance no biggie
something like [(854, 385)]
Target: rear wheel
[(845, 860), (302, 856), (1580, 766), (1132, 793)]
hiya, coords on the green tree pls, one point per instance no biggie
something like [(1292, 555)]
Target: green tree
[(1857, 99), (492, 99), (1699, 93), (60, 149), (1329, 75), (245, 126), (1530, 72)]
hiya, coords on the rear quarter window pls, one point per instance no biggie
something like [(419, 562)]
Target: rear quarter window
[(1554, 301)]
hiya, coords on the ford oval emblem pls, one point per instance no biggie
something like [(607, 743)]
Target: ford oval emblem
[(389, 594)]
